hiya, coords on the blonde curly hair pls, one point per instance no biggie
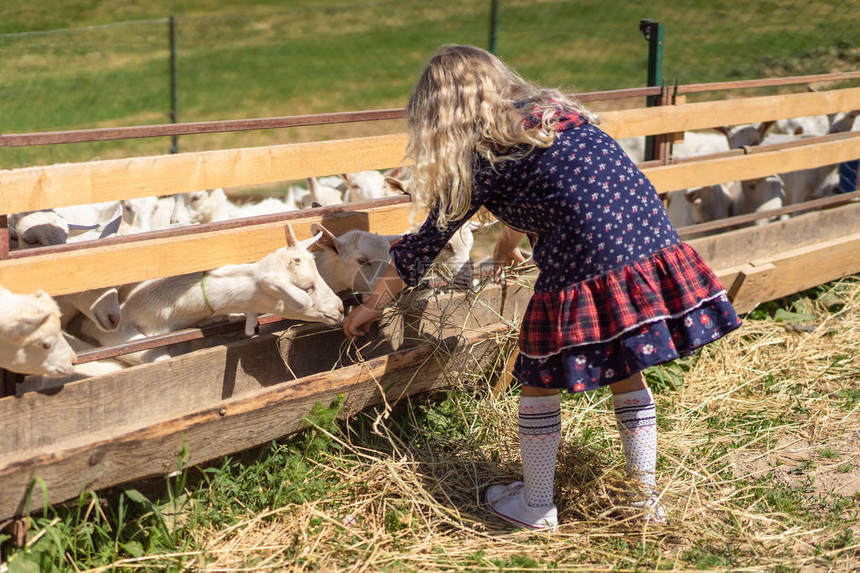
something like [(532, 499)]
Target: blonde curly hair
[(468, 105)]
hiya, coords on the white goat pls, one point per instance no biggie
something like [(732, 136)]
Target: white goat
[(320, 195), (353, 261), (745, 135), (698, 205), (817, 182), (456, 257), (285, 283), (43, 228), (698, 143), (30, 338), (634, 147), (37, 229), (101, 306), (758, 195), (35, 382), (367, 185)]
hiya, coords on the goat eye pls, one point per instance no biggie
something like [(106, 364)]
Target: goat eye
[(47, 345), (310, 288), (363, 261), (31, 240)]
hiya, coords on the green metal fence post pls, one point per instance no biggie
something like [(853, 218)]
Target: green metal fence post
[(653, 32), (494, 25), (174, 117)]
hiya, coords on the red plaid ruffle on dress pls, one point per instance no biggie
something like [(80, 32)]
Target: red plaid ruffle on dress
[(668, 283), (565, 118)]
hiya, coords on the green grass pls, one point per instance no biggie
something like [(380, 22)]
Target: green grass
[(238, 61), (399, 490)]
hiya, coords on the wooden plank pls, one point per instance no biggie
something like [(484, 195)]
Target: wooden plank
[(740, 246), (705, 115), (788, 272), (41, 187), (32, 188), (104, 266), (741, 167), (204, 378), (752, 284), (103, 460)]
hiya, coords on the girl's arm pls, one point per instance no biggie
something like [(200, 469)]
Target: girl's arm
[(507, 250), (361, 317)]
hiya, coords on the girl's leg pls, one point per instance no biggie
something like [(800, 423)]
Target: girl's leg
[(540, 435), (529, 503), (636, 415)]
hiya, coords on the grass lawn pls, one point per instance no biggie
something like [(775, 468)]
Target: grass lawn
[(758, 432), (758, 465), (110, 66)]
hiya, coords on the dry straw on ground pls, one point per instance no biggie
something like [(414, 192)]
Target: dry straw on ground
[(759, 470)]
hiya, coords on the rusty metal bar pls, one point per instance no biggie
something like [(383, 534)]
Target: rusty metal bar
[(268, 323), (193, 128), (284, 217), (727, 222), (198, 128), (4, 237), (770, 82), (619, 94)]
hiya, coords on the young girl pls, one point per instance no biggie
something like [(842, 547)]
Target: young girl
[(617, 291)]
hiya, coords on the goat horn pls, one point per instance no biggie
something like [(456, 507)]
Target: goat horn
[(290, 235)]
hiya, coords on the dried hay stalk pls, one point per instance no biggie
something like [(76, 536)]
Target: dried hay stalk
[(742, 472)]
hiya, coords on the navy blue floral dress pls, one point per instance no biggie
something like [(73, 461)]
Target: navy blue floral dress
[(617, 291)]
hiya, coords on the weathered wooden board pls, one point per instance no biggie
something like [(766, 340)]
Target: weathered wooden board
[(169, 256), (788, 272), (77, 435), (33, 188), (108, 458), (50, 186), (704, 115), (741, 167), (111, 263), (741, 246)]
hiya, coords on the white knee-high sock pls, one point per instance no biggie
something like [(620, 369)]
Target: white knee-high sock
[(540, 434), (636, 415)]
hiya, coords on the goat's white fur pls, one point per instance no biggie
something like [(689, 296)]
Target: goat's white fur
[(31, 341)]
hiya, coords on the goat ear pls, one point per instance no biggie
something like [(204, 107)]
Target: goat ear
[(25, 325), (327, 241), (290, 235), (283, 290), (396, 184), (106, 309), (764, 127)]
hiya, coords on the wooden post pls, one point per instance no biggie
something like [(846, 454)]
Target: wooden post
[(507, 375)]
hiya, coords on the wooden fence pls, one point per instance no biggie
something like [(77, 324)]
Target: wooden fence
[(124, 426)]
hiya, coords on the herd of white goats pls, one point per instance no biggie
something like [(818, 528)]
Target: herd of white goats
[(306, 279)]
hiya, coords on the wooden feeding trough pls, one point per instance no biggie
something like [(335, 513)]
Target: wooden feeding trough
[(231, 395)]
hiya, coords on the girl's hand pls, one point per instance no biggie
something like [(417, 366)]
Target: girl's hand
[(506, 252), (500, 262), (361, 317), (358, 322)]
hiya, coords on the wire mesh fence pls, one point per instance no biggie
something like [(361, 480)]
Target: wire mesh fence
[(325, 57)]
